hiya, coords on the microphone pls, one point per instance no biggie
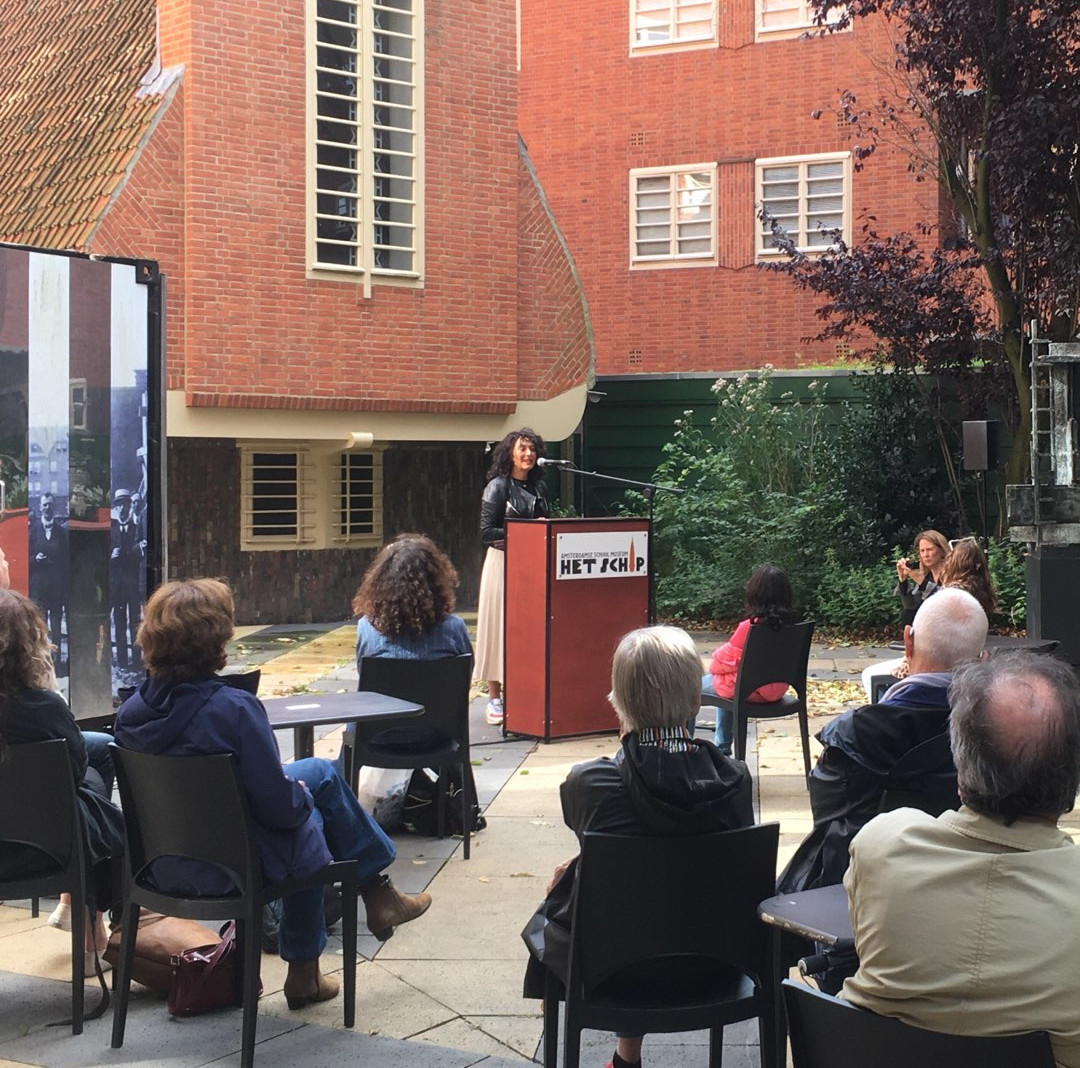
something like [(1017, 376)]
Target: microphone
[(544, 461)]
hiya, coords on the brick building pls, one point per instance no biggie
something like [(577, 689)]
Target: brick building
[(364, 281), (660, 127)]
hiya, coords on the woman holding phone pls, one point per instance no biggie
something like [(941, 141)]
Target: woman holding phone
[(919, 575)]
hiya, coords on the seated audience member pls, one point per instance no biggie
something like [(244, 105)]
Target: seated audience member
[(32, 711), (305, 814), (770, 600), (861, 746), (967, 569), (661, 782), (406, 604), (917, 579), (967, 923)]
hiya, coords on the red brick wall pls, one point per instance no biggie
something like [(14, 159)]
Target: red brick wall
[(146, 220), (255, 331), (556, 344), (590, 113)]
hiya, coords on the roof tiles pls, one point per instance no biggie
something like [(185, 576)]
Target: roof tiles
[(70, 121)]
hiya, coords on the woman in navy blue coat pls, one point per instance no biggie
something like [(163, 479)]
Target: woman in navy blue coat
[(305, 814)]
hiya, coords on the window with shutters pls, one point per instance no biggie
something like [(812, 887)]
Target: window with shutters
[(807, 199), (668, 24), (673, 216)]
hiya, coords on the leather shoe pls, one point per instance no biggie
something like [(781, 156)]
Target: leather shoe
[(387, 907), (304, 984)]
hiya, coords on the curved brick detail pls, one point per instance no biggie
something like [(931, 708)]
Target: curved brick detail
[(556, 344)]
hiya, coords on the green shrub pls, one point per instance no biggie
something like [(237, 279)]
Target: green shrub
[(1007, 569), (856, 597)]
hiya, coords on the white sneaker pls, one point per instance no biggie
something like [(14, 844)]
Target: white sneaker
[(60, 917), (494, 714)]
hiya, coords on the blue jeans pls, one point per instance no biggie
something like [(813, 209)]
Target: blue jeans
[(722, 738), (99, 758), (351, 834)]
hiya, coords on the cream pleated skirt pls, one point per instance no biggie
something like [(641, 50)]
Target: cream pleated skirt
[(489, 619)]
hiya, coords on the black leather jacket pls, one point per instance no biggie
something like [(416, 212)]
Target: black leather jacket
[(505, 498)]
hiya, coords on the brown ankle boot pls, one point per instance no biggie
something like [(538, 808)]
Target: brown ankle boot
[(304, 984), (387, 907)]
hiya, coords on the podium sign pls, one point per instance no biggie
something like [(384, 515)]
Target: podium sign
[(574, 587)]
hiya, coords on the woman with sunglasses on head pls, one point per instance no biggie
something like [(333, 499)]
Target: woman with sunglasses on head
[(967, 569)]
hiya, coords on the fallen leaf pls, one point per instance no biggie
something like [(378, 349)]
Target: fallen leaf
[(484, 879)]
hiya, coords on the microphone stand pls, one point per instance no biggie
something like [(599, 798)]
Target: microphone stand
[(649, 491)]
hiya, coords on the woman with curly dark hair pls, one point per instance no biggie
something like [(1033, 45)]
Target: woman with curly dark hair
[(405, 603), (515, 490)]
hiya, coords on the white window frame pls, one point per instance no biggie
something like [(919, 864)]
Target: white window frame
[(805, 165), (305, 506), (341, 534), (672, 258), (801, 20), (366, 141), (671, 31)]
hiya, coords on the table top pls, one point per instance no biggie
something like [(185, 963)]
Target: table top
[(313, 709), (820, 914)]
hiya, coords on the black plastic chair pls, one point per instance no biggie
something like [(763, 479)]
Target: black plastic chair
[(665, 937), (195, 807), (924, 778), (829, 1033), (770, 656), (437, 739), (40, 809)]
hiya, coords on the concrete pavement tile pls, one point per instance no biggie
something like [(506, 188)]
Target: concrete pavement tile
[(151, 1037), (385, 1005), (16, 1064), (522, 1034), (511, 845), (484, 986), (449, 932), (38, 950), (464, 1034), (16, 918), (668, 1051)]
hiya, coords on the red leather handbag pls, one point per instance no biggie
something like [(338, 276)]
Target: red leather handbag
[(206, 978)]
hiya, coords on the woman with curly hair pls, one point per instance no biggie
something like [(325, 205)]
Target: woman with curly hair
[(515, 490), (32, 711), (406, 603)]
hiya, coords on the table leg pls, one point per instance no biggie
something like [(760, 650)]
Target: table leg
[(303, 742)]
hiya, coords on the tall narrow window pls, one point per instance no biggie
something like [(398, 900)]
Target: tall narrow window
[(359, 498), (673, 215), (367, 135), (667, 23), (807, 198)]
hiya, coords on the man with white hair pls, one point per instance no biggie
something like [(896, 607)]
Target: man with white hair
[(862, 746), (967, 923)]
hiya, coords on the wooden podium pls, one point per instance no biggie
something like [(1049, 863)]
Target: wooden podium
[(574, 587)]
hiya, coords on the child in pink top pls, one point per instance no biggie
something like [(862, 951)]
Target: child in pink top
[(769, 599)]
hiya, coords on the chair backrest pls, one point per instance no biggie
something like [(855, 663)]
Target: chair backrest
[(779, 655), (924, 778), (655, 902), (441, 686), (186, 806), (38, 805), (829, 1033)]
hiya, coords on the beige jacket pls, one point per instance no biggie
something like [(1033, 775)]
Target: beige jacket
[(969, 927)]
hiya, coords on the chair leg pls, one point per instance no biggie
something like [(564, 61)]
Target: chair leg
[(804, 730), (129, 929), (34, 907), (571, 1037), (78, 960), (738, 727), (716, 1047), (251, 950), (440, 800), (468, 800), (551, 1028), (349, 892)]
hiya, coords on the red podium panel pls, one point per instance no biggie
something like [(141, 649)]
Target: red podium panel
[(574, 587)]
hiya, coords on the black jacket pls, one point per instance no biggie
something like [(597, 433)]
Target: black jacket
[(644, 790), (505, 498)]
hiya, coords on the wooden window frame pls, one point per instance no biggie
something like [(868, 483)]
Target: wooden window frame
[(804, 163), (673, 42), (639, 261)]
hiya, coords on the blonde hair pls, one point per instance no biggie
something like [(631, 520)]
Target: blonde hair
[(655, 678), (25, 652)]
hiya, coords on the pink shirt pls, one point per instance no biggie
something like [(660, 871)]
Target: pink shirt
[(725, 669)]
